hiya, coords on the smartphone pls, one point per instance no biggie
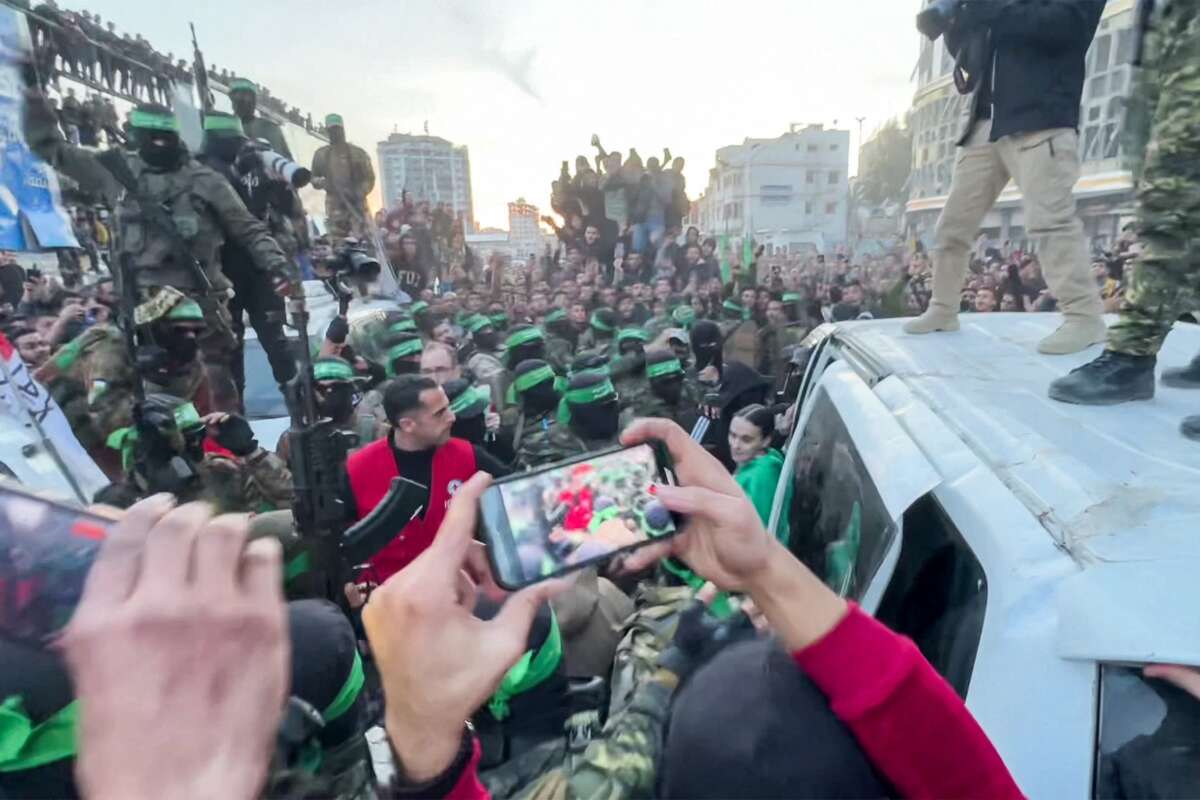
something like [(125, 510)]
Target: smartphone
[(579, 512), (46, 550)]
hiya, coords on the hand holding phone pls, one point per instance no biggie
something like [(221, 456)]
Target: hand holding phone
[(576, 513)]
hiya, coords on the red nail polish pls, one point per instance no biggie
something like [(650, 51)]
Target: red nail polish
[(653, 488)]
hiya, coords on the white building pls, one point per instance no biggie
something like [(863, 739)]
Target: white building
[(790, 193), (525, 236), (429, 168), (1104, 192)]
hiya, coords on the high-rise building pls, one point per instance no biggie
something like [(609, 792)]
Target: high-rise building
[(429, 168), (524, 235), (790, 193), (1104, 193)]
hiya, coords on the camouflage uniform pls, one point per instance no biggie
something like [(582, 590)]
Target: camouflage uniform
[(560, 442), (536, 444), (204, 208), (1165, 279), (559, 352), (256, 483), (349, 178)]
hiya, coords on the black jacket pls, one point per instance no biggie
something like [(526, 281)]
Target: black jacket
[(1034, 79)]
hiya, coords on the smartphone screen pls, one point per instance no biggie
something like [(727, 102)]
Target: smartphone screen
[(570, 515), (46, 550)]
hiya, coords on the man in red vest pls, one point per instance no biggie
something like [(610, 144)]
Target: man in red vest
[(420, 449)]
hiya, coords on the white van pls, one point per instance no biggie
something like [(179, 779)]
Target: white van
[(1037, 553)]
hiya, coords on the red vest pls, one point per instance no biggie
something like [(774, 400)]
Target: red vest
[(371, 471)]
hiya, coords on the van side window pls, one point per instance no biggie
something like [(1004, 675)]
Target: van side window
[(938, 593), (839, 526)]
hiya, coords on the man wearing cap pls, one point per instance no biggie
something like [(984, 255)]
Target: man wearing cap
[(243, 94), (203, 208), (276, 205), (485, 362), (535, 384), (344, 172), (92, 378)]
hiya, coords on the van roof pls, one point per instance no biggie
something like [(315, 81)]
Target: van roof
[(1108, 482), (1117, 487)]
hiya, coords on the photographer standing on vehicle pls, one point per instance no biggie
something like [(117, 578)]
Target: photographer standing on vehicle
[(1023, 60)]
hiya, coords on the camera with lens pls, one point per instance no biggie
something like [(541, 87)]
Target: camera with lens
[(351, 260), (258, 155), (938, 18)]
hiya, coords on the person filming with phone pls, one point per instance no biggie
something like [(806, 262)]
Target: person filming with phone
[(1022, 62)]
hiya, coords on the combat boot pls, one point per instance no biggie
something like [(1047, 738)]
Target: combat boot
[(1190, 427), (1075, 334), (935, 318), (1183, 377), (1111, 379)]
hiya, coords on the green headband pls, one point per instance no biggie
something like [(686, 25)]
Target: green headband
[(186, 311), (684, 315), (333, 119), (470, 396), (27, 745), (499, 319), (222, 122), (525, 336), (411, 347), (600, 324), (732, 305), (590, 394), (418, 307), (792, 297), (664, 368), (531, 671), (632, 333), (523, 383), (332, 371), (242, 85), (403, 326), (150, 120), (477, 323), (557, 315)]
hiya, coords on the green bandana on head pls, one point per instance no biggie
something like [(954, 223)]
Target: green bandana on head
[(418, 307), (186, 311), (224, 122), (470, 398), (149, 120), (499, 320), (523, 383), (600, 324), (402, 350), (792, 297), (476, 323), (403, 326), (243, 85), (590, 394), (626, 334), (735, 307), (332, 371), (186, 416), (525, 336), (333, 120), (557, 315), (664, 368), (684, 315)]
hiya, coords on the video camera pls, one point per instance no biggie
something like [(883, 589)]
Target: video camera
[(257, 154), (353, 261)]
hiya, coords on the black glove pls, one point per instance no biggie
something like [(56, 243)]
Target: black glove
[(700, 636), (338, 330), (234, 434)]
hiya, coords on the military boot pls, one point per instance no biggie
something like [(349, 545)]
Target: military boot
[(1111, 379), (1183, 377), (1190, 427)]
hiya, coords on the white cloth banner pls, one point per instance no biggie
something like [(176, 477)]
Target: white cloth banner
[(26, 402)]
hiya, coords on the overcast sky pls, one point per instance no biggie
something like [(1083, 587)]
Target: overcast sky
[(525, 83)]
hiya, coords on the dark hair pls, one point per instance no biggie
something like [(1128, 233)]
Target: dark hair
[(402, 394), (710, 241), (760, 417)]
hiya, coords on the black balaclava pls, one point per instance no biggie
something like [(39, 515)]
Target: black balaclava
[(223, 146), (635, 352), (181, 344), (470, 423), (603, 323), (595, 412), (486, 339), (156, 131), (472, 429), (705, 336), (542, 396), (664, 372), (524, 343), (338, 401)]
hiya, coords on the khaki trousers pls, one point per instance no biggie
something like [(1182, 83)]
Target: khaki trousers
[(1045, 166)]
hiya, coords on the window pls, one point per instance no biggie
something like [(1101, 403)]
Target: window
[(1097, 86), (808, 207), (938, 593), (810, 176), (1125, 40), (812, 148), (837, 522), (834, 177), (1100, 53), (776, 194), (831, 208), (833, 148)]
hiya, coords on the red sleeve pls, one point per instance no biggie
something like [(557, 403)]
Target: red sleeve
[(911, 724), (468, 787)]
